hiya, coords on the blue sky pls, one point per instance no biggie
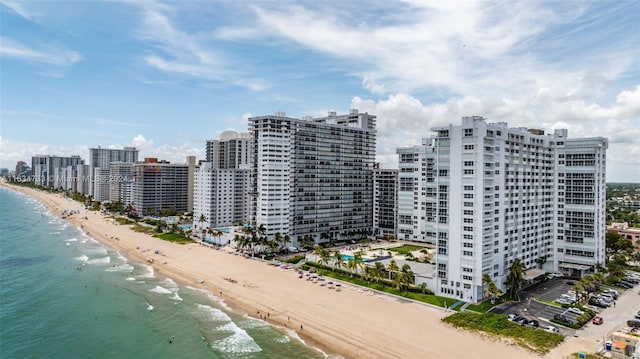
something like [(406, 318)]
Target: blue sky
[(166, 76)]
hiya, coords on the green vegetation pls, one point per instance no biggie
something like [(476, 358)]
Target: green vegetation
[(587, 356), (122, 220), (537, 340), (405, 249), (418, 293), (294, 260), (173, 237), (483, 307), (143, 229)]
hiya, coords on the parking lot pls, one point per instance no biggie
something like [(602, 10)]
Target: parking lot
[(529, 308)]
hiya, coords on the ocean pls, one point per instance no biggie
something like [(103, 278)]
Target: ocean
[(65, 295)]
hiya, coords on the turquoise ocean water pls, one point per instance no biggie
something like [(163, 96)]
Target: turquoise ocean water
[(64, 295)]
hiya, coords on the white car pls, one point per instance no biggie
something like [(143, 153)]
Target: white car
[(551, 329), (575, 310)]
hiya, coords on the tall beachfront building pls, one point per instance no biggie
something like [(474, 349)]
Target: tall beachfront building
[(313, 176), (99, 161), (160, 185), (49, 170), (385, 202), (492, 194), (222, 182)]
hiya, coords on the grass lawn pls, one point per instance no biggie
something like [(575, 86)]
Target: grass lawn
[(421, 297), (143, 229), (497, 324), (122, 220), (172, 237), (405, 249), (484, 306)]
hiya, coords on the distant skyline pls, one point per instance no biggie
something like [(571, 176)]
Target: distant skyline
[(167, 76)]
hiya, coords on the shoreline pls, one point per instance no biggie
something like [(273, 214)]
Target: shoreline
[(351, 324)]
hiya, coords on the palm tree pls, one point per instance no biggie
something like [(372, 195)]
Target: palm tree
[(352, 266), (277, 240), (392, 268), (405, 278), (306, 241), (338, 262), (357, 256), (486, 279), (202, 218), (423, 287), (494, 291), (515, 276)]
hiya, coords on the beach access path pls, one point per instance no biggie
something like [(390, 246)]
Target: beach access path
[(350, 323)]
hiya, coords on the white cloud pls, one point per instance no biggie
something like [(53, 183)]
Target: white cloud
[(18, 9), (49, 54), (190, 54), (402, 120), (141, 143)]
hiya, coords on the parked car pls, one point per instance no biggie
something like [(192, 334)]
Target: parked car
[(523, 321), (511, 317), (561, 318), (575, 310), (637, 316), (597, 320), (624, 285), (533, 323), (551, 329)]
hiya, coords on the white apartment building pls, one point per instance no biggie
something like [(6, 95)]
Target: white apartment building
[(492, 194), (119, 173), (313, 176), (101, 158), (49, 170), (222, 182), (220, 197)]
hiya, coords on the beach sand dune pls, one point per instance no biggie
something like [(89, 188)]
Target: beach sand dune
[(350, 323)]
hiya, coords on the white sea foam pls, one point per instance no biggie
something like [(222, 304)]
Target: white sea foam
[(293, 334), (68, 244), (176, 297), (54, 232), (251, 323), (149, 307), (160, 290), (72, 240), (121, 258), (238, 342), (148, 272), (96, 250), (211, 296), (128, 268), (82, 258), (103, 260), (214, 314), (283, 339), (130, 279), (168, 282)]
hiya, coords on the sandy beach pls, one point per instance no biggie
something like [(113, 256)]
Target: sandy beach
[(349, 323)]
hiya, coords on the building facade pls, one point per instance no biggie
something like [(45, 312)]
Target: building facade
[(222, 182), (101, 158), (385, 202), (47, 170), (313, 176), (492, 194), (220, 196), (158, 186), (119, 174)]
